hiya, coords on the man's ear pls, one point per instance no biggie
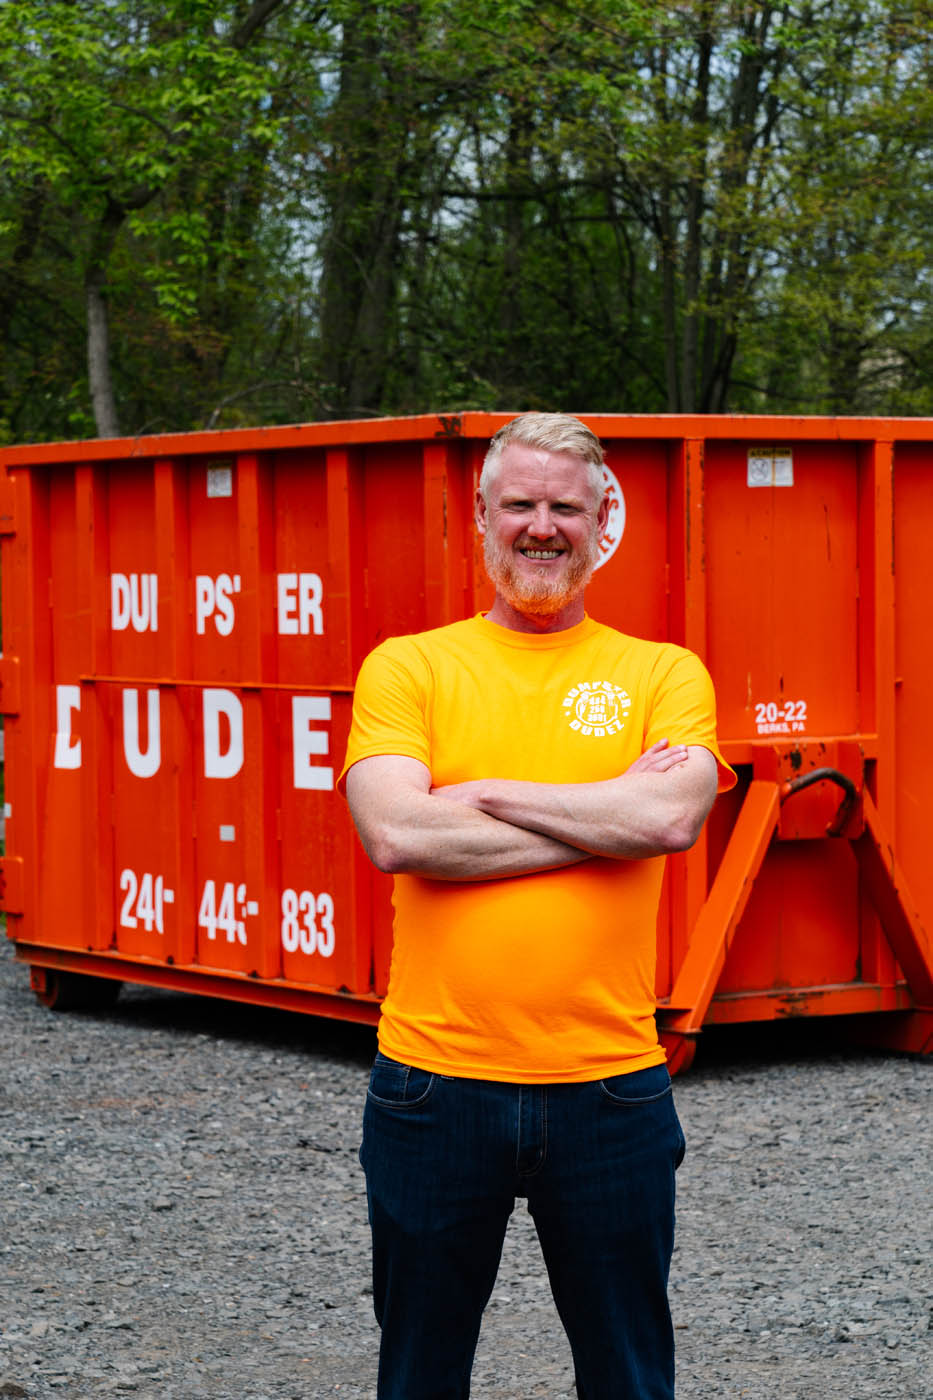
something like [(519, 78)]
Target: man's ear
[(602, 515), (479, 513)]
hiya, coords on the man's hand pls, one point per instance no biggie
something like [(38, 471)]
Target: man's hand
[(660, 758)]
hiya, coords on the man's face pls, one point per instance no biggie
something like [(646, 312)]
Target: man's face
[(541, 526)]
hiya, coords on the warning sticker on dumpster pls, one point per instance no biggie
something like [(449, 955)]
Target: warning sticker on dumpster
[(770, 466), (220, 479)]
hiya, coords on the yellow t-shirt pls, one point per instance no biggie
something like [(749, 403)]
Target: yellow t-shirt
[(547, 977)]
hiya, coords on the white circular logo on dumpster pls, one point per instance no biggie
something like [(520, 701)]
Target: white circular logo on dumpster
[(615, 523)]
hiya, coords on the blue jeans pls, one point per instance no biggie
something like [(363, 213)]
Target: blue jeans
[(445, 1159)]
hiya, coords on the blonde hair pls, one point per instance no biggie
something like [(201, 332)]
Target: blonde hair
[(552, 432)]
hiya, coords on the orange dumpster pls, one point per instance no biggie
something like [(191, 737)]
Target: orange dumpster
[(183, 619)]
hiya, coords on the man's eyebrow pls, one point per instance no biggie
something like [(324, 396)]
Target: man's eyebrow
[(518, 498)]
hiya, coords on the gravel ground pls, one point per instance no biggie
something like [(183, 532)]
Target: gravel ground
[(184, 1217)]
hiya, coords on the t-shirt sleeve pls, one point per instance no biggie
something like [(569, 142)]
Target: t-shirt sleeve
[(388, 710), (682, 709)]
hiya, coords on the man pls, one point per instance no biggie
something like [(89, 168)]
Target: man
[(522, 775)]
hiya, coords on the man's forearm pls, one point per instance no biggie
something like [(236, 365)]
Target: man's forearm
[(635, 816), (408, 831), (607, 822), (484, 848)]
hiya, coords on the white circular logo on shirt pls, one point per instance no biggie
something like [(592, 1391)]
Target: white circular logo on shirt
[(597, 708), (615, 524)]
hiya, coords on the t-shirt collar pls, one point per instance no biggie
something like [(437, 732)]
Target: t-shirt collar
[(536, 641)]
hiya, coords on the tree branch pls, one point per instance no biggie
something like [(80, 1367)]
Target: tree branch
[(258, 16)]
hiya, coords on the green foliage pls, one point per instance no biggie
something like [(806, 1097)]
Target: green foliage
[(137, 139), (279, 210)]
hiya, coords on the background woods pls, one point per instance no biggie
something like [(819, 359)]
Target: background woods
[(216, 212)]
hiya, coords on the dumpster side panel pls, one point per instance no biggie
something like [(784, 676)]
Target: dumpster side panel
[(801, 926), (782, 635), (302, 587), (323, 901), (782, 583), (134, 718), (61, 639), (913, 532), (393, 512), (629, 589)]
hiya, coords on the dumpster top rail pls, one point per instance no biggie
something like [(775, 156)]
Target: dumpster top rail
[(420, 427)]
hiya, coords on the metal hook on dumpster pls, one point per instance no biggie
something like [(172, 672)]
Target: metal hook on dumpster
[(840, 821)]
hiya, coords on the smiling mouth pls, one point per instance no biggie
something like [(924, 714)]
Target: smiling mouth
[(539, 554)]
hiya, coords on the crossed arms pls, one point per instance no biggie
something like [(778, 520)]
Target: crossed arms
[(496, 827)]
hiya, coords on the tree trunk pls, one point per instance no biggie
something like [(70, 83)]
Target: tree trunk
[(98, 322), (98, 360), (665, 233), (368, 185), (518, 143), (752, 117), (696, 195)]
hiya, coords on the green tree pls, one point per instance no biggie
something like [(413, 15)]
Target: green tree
[(219, 211), (850, 289), (724, 149), (128, 123)]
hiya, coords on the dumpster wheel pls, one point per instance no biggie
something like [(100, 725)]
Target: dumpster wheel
[(73, 991)]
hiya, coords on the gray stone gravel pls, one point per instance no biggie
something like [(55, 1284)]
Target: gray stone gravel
[(183, 1215)]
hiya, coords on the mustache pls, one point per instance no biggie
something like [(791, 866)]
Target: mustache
[(560, 545)]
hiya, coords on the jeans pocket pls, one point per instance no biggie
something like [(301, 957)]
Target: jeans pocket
[(641, 1086), (395, 1085)]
